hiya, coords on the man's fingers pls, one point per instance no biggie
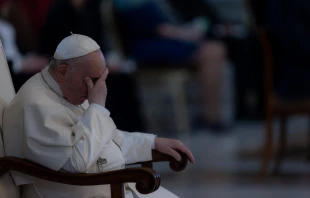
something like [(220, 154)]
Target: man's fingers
[(174, 154), (89, 83), (188, 153), (104, 75)]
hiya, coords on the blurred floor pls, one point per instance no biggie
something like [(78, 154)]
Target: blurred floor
[(222, 171)]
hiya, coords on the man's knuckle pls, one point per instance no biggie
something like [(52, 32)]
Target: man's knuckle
[(102, 84), (178, 142)]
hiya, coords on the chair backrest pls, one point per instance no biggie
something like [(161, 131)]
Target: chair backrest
[(7, 91), (258, 10), (7, 186), (2, 105), (264, 39)]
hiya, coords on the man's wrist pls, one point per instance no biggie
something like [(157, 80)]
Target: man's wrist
[(102, 108), (153, 145)]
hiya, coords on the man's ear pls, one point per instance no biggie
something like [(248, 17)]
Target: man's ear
[(62, 71)]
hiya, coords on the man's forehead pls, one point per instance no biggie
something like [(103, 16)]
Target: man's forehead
[(97, 71)]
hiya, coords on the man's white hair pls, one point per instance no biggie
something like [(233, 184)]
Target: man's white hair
[(54, 63)]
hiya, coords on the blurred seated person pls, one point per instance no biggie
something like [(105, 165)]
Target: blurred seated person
[(289, 28), (226, 21), (85, 17), (21, 67), (152, 37)]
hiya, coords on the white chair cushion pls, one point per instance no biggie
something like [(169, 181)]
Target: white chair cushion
[(7, 91), (2, 105), (7, 186)]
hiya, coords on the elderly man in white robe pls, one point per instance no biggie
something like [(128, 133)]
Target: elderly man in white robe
[(58, 120)]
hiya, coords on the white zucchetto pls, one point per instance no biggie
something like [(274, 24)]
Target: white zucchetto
[(75, 45)]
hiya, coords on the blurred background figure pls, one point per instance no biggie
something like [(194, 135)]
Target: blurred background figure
[(217, 45), (152, 36), (227, 21)]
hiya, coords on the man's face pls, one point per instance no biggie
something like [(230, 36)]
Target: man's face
[(74, 87)]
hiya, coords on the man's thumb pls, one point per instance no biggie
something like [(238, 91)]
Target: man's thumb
[(89, 83)]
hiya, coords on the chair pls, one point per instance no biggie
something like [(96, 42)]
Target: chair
[(275, 106), (147, 180)]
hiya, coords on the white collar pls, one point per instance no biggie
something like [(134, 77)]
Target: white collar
[(51, 82)]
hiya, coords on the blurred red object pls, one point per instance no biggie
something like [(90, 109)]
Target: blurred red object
[(36, 11), (2, 2), (27, 17)]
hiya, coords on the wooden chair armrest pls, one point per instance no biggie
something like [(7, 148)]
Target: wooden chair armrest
[(173, 163), (147, 180)]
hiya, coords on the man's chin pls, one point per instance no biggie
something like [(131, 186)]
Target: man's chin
[(79, 102), (82, 100)]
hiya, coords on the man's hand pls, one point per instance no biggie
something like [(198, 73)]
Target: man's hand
[(97, 92), (169, 146)]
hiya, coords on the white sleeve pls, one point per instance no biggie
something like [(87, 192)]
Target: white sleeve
[(97, 134), (136, 147)]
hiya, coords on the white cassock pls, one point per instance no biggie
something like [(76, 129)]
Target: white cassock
[(42, 126)]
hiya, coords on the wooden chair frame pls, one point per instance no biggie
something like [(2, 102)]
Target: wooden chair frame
[(147, 180)]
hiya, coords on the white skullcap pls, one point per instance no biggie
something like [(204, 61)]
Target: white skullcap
[(74, 46)]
